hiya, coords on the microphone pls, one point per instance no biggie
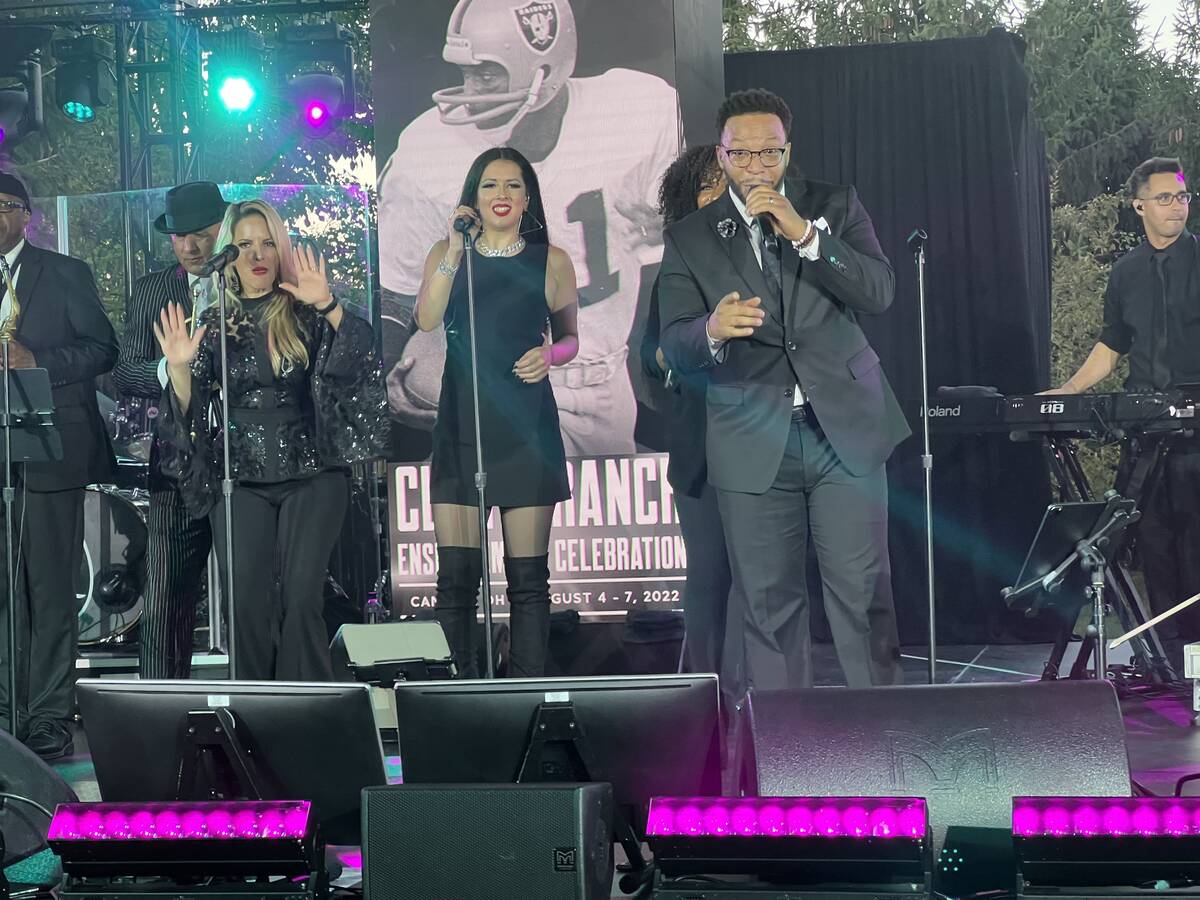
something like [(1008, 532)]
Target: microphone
[(220, 261), (463, 224), (766, 227), (917, 240)]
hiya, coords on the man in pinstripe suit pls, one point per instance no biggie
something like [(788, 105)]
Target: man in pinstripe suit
[(178, 545)]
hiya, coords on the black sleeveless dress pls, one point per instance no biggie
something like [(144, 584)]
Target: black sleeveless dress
[(522, 447)]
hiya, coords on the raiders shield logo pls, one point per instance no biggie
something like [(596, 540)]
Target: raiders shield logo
[(539, 24)]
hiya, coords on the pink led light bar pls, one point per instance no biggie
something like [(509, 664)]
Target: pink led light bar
[(249, 820), (815, 817), (1105, 816)]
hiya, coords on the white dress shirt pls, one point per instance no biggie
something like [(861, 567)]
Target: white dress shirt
[(811, 252)]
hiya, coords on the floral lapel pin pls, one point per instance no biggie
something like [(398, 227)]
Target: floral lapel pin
[(727, 228)]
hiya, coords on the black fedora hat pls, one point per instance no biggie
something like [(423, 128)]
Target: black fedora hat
[(191, 207)]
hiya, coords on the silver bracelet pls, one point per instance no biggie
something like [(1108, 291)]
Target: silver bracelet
[(446, 269)]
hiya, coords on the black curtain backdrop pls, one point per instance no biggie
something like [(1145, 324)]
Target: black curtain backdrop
[(940, 135)]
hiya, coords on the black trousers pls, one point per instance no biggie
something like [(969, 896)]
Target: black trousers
[(706, 591), (767, 536), (283, 536), (48, 550), (1168, 538), (176, 555)]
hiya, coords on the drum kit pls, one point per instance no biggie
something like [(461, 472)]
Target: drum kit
[(112, 575)]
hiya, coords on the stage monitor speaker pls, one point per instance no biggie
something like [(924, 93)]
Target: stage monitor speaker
[(385, 652), (488, 842), (967, 749), (23, 774)]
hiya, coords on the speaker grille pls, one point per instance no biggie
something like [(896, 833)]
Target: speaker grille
[(472, 842)]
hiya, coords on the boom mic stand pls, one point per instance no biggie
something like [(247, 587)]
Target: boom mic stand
[(463, 226), (916, 243)]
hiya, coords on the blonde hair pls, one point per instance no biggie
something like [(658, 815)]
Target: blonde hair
[(283, 327)]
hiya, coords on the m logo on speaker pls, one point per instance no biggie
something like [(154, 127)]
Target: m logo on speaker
[(967, 758), (564, 859)]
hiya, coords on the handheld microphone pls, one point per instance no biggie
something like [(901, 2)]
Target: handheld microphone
[(766, 227), (220, 261), (463, 224)]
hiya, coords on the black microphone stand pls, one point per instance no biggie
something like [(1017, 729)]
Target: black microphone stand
[(9, 501), (463, 226), (916, 243), (227, 473)]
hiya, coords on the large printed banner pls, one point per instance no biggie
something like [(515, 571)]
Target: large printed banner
[(615, 546)]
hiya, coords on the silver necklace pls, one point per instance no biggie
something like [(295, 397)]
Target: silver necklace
[(511, 250)]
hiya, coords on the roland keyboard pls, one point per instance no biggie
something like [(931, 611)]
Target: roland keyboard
[(1067, 414)]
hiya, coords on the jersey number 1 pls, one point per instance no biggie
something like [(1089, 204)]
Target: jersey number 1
[(588, 210)]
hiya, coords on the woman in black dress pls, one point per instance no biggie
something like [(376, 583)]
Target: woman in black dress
[(306, 399), (521, 283)]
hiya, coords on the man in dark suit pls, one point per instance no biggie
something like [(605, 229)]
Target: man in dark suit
[(800, 417), (178, 545), (62, 328)]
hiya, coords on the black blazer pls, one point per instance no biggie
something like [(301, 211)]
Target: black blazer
[(811, 336), (136, 373), (64, 326)]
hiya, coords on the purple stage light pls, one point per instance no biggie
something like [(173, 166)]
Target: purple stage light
[(1036, 817), (251, 820), (316, 113), (768, 817)]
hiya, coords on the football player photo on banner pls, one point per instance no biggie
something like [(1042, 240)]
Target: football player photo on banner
[(584, 89)]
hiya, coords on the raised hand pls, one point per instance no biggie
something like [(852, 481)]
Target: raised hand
[(455, 236), (734, 317), (178, 347), (312, 285)]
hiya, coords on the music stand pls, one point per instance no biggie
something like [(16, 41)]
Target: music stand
[(26, 419), (1070, 534)]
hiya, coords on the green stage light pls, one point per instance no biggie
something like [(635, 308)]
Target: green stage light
[(80, 112), (237, 93), (236, 84)]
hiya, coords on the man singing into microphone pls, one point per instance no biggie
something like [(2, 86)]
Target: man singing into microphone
[(60, 326), (178, 544), (761, 289)]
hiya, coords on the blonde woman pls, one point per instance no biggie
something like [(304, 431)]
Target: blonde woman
[(305, 400)]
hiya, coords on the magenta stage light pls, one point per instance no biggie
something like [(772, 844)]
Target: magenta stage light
[(816, 817), (247, 820), (246, 839), (1105, 816), (1070, 846), (316, 113), (878, 843)]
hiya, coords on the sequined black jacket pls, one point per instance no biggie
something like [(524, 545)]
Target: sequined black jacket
[(287, 426)]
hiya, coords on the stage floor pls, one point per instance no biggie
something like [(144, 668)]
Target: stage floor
[(1163, 743)]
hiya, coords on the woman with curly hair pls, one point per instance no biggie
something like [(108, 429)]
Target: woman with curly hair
[(692, 181)]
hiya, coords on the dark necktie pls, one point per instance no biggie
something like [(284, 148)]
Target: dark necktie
[(769, 247), (1160, 367)]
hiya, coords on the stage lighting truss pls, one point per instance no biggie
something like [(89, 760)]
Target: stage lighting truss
[(129, 849), (1074, 847), (82, 76), (21, 80), (790, 846), (235, 70), (316, 72)]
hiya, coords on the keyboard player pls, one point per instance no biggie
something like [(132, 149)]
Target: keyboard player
[(1152, 317)]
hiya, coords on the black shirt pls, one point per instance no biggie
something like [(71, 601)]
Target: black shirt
[(1160, 330)]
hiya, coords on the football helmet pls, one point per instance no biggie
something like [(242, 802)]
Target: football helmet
[(534, 41)]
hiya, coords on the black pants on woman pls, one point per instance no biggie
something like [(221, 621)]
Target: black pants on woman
[(283, 536)]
